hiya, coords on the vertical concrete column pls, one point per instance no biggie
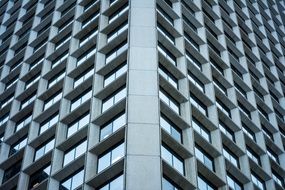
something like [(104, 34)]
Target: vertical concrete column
[(143, 165)]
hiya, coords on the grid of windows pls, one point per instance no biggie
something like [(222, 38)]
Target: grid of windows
[(85, 83)]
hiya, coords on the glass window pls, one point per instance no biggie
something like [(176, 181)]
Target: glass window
[(226, 130), (52, 100), (197, 126), (83, 97), (173, 104), (196, 81), (78, 124), (56, 78), (198, 104), (172, 159), (12, 171), (251, 154), (223, 107), (28, 101), (116, 32), (43, 149), (233, 183), (116, 51), (257, 181), (168, 185), (231, 157), (18, 145), (112, 126), (75, 152), (51, 121), (118, 13), (113, 99), (23, 122), (41, 175), (167, 54), (115, 74), (169, 127), (168, 76), (206, 159), (73, 181), (114, 184), (111, 157), (203, 184)]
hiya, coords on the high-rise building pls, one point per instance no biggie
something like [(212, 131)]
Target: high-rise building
[(142, 94)]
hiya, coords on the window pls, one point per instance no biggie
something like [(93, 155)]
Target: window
[(165, 15), (75, 152), (257, 181), (115, 184), (220, 86), (28, 100), (278, 179), (118, 13), (56, 78), (233, 183), (52, 100), (110, 157), (41, 175), (78, 124), (65, 24), (7, 100), (12, 171), (61, 42), (203, 184), (37, 62), (116, 32), (172, 129), (115, 74), (168, 185), (251, 154), (21, 143), (193, 60), (59, 60), (226, 130), (168, 76), (116, 51), (173, 104), (23, 122), (83, 97), (206, 159), (113, 99), (230, 157), (272, 155), (88, 37), (172, 159), (32, 81), (166, 34), (48, 123), (248, 131), (86, 55), (4, 119), (196, 81), (73, 181), (223, 107), (198, 104), (43, 149), (112, 126), (197, 126), (89, 5), (84, 76), (90, 19), (12, 82), (167, 54)]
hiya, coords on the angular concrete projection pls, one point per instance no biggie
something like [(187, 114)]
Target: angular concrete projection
[(142, 94)]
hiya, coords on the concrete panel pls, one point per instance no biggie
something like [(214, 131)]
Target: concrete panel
[(143, 139), (142, 16), (143, 58), (143, 37), (141, 109), (143, 82), (146, 174)]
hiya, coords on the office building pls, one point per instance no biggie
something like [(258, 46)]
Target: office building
[(142, 94)]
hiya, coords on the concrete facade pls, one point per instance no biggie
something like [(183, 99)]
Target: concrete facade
[(142, 94)]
